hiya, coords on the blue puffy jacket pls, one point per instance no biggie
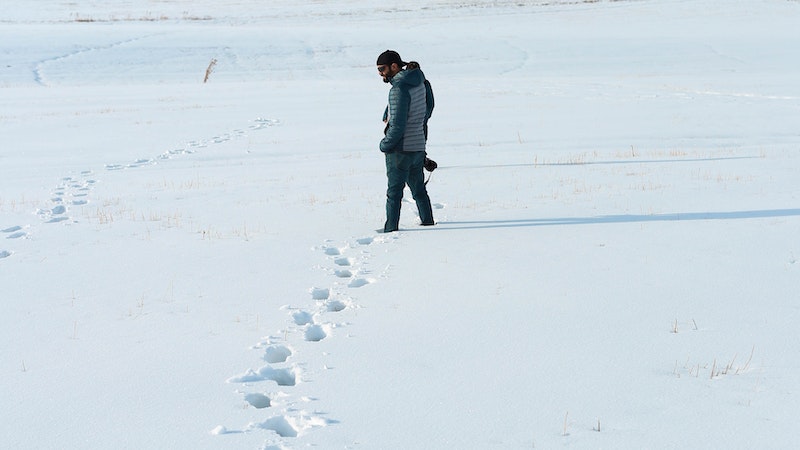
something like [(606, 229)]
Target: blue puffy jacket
[(409, 110)]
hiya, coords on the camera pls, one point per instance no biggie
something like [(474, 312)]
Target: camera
[(429, 164)]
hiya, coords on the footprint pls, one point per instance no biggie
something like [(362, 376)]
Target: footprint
[(60, 209), (79, 202), (315, 333), (4, 254), (278, 353), (141, 162), (17, 235), (438, 206), (333, 251), (344, 273), (284, 377), (263, 123), (280, 425), (365, 241), (302, 318), (320, 293), (359, 282), (335, 306), (12, 229), (250, 376), (344, 262), (258, 401), (175, 152)]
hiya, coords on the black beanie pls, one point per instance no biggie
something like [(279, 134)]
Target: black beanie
[(390, 57)]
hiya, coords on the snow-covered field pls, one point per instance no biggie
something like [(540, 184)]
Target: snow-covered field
[(194, 265)]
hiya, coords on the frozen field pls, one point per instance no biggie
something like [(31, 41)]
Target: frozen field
[(190, 264)]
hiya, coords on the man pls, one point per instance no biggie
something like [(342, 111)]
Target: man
[(404, 142)]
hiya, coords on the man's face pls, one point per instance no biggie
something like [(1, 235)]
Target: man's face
[(387, 71)]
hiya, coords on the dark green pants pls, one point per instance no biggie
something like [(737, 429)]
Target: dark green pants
[(405, 168)]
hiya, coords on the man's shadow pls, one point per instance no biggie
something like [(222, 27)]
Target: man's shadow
[(619, 218)]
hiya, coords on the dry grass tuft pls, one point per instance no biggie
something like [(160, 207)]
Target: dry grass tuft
[(210, 69)]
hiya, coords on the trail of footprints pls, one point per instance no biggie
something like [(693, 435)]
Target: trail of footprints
[(73, 190), (193, 146), (348, 268)]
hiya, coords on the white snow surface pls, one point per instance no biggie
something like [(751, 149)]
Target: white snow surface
[(195, 265)]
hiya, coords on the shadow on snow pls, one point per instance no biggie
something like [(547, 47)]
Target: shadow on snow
[(621, 218), (595, 163)]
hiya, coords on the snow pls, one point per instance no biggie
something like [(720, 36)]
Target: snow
[(196, 265)]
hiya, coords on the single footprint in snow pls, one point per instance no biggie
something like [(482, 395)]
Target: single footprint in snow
[(335, 306), (280, 425), (284, 377), (258, 401), (344, 262), (302, 318), (333, 251), (320, 293), (315, 333), (359, 282), (140, 162), (4, 254), (365, 241), (344, 273), (260, 123), (277, 353)]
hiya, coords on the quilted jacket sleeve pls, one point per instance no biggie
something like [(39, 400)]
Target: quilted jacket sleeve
[(429, 103), (399, 101)]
